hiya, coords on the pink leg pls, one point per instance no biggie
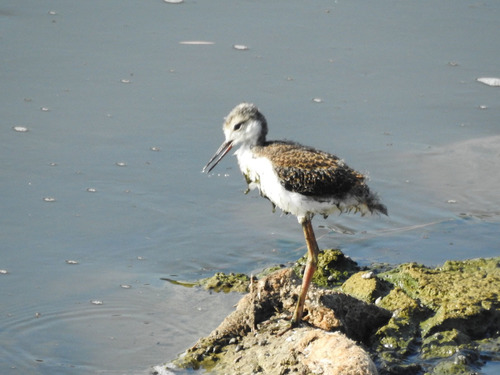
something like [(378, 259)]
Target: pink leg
[(311, 265)]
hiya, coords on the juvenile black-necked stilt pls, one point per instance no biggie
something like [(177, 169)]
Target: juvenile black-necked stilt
[(300, 180)]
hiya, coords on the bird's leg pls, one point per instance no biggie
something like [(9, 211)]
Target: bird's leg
[(311, 265)]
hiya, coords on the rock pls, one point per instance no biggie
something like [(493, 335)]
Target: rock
[(365, 286), (333, 268), (445, 344), (256, 337), (432, 320), (437, 316), (460, 295), (220, 282)]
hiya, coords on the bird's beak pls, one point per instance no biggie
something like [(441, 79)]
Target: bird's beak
[(221, 152)]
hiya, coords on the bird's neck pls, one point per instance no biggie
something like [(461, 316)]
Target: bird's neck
[(256, 132)]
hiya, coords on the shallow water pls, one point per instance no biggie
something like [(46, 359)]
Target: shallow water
[(121, 116)]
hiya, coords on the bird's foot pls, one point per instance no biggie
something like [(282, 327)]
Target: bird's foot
[(289, 325)]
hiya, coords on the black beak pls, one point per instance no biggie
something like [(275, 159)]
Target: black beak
[(221, 152)]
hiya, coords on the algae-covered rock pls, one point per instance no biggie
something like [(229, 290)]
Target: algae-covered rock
[(437, 315), (489, 348), (333, 268), (443, 320), (445, 344), (397, 339), (398, 300), (221, 282), (462, 363), (463, 295), (366, 286)]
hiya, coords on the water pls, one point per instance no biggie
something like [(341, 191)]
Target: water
[(107, 120)]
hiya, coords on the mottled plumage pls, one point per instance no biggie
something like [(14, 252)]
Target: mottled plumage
[(300, 180), (308, 171)]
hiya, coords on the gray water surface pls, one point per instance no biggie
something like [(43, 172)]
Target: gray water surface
[(103, 195)]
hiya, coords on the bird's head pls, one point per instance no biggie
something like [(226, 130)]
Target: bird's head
[(244, 125)]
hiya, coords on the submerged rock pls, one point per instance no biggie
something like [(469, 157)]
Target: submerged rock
[(220, 282)]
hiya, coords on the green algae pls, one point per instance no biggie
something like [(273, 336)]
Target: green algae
[(185, 284), (221, 282), (438, 313), (451, 368), (462, 294), (398, 300), (365, 286), (472, 281), (332, 270), (445, 344)]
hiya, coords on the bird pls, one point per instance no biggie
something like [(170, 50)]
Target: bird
[(298, 179)]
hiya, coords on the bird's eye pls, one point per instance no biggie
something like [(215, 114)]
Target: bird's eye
[(237, 126)]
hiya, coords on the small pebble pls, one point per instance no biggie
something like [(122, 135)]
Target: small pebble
[(240, 47), (20, 129), (368, 275)]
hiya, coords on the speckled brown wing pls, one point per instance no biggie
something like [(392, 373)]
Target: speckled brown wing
[(311, 172)]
